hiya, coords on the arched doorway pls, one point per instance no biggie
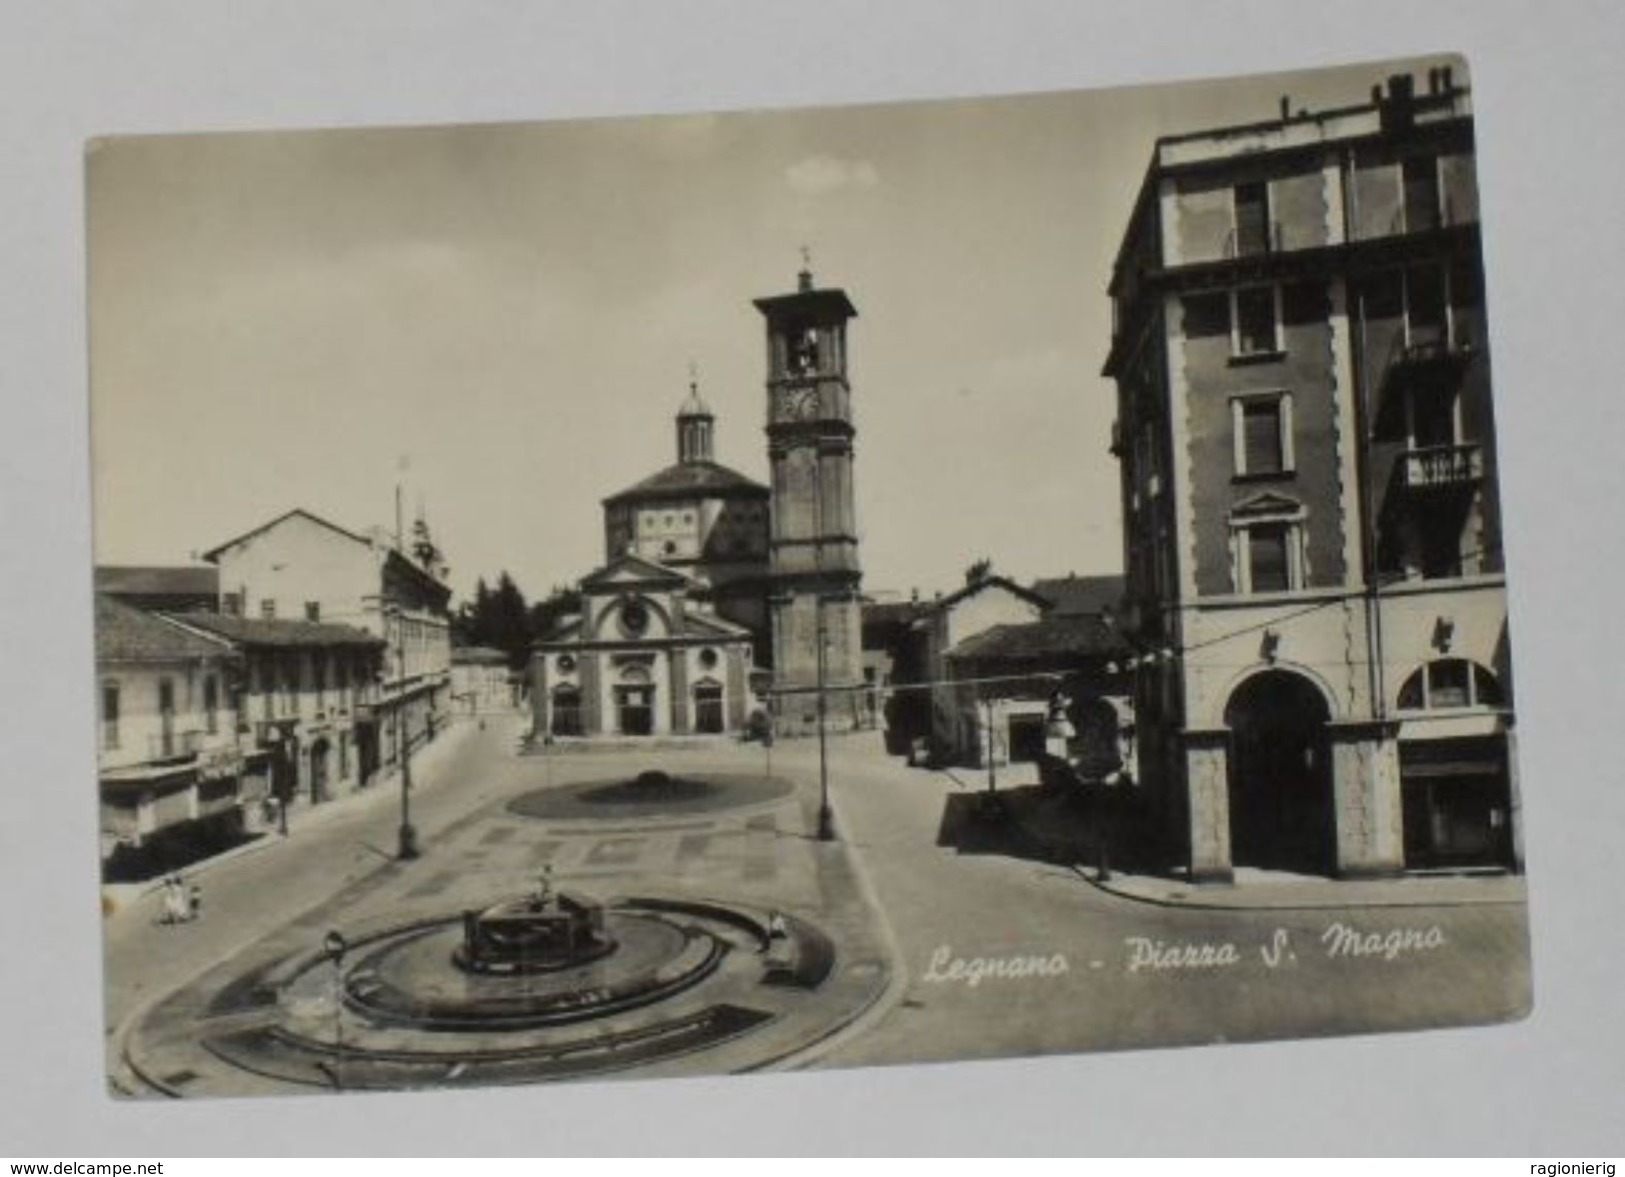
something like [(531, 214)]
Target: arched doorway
[(708, 708), (1281, 813)]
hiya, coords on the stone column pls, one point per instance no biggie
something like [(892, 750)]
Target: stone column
[(1207, 790), (1366, 805), (592, 721), (737, 657), (682, 721)]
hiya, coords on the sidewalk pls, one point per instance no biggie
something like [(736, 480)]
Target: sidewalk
[(121, 897), (1258, 890)]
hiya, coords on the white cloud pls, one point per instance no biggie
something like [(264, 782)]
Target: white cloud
[(819, 175)]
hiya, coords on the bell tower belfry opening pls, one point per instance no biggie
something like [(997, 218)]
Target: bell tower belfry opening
[(814, 571)]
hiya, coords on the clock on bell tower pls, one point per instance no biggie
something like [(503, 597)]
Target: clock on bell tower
[(814, 569)]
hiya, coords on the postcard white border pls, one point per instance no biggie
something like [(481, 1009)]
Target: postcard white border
[(1546, 91)]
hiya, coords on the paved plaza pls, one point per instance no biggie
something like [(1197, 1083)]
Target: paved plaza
[(941, 936)]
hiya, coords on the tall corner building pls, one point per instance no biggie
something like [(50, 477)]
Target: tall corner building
[(815, 576), (1312, 523)]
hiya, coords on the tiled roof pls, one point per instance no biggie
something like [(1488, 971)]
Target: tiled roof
[(986, 582), (1049, 640), (212, 553), (691, 478), (1072, 595), (256, 631), (145, 580), (885, 621), (128, 634)]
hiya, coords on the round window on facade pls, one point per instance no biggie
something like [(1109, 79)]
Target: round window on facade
[(670, 548), (709, 658), (567, 663)]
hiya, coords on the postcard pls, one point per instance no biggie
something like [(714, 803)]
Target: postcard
[(708, 594)]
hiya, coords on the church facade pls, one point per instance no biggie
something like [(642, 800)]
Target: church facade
[(669, 626), (709, 576), (646, 656)]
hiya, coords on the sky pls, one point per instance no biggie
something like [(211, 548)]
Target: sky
[(502, 320)]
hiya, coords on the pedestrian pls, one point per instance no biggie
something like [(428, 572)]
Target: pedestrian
[(174, 900), (194, 900)]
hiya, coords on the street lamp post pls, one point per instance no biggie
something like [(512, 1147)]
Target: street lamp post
[(826, 819), (408, 835)]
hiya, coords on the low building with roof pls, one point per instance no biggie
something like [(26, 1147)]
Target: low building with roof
[(169, 764), (1011, 683), (169, 587), (305, 699), (302, 567), (1081, 596), (480, 679)]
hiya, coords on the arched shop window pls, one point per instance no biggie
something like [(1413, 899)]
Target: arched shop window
[(1450, 683)]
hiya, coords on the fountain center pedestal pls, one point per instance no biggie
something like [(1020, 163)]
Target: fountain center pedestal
[(542, 933)]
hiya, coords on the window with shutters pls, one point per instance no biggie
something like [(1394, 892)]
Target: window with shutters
[(1266, 548), (1261, 425), (1267, 558)]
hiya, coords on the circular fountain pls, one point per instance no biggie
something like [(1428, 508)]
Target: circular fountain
[(652, 794)]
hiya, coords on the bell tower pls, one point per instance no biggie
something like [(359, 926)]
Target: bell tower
[(814, 570)]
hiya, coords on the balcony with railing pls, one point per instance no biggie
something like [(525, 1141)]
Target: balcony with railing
[(1417, 360), (1440, 468)]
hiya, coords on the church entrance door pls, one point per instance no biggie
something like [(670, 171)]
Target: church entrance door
[(708, 709), (636, 707)]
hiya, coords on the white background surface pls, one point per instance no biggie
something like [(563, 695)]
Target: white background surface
[(1549, 103)]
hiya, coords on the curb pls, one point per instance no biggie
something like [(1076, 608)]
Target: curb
[(1197, 902), (117, 898), (884, 999)]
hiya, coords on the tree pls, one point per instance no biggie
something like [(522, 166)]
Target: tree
[(510, 622), (547, 613), (979, 571)]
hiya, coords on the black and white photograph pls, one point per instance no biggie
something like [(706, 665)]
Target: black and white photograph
[(800, 589)]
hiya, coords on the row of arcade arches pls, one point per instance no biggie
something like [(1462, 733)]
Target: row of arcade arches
[(635, 704), (1455, 793)]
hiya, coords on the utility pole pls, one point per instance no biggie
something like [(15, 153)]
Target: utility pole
[(408, 835), (826, 820)]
